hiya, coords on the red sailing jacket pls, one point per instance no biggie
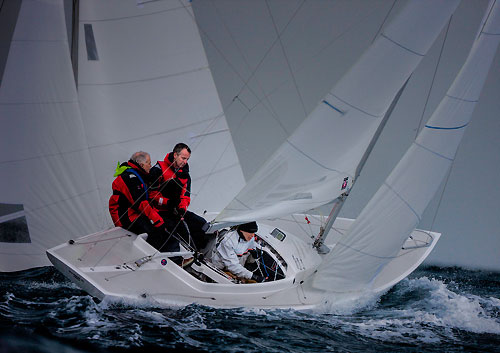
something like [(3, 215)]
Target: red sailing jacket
[(130, 198), (170, 188)]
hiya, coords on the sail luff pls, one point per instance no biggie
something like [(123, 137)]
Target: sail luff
[(395, 210), (310, 168)]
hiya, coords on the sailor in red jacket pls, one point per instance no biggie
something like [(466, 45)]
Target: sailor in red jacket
[(129, 205), (171, 194)]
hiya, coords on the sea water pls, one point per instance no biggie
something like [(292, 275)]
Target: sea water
[(434, 310)]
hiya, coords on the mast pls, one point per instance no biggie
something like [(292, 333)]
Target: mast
[(339, 201)]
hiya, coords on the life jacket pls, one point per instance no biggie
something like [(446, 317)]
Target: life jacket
[(130, 197), (170, 188)]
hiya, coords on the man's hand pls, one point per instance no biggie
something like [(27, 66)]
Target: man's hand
[(159, 223), (180, 212), (257, 278)]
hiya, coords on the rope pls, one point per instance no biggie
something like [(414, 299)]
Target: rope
[(263, 264), (99, 241)]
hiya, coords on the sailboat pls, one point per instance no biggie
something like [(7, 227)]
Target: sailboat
[(328, 150)]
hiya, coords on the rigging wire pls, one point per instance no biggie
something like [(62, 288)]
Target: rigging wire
[(278, 41), (442, 195), (252, 72), (266, 96), (423, 113), (265, 55), (433, 79), (279, 34), (384, 21), (268, 106), (286, 58)]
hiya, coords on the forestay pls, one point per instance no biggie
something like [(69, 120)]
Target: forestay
[(318, 161), (395, 210)]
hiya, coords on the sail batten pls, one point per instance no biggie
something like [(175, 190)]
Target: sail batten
[(446, 128)]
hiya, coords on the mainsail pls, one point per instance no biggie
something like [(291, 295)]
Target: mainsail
[(318, 161), (395, 210)]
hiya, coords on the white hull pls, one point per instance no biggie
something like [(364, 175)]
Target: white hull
[(104, 265)]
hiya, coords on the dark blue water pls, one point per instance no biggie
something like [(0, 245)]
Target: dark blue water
[(434, 310)]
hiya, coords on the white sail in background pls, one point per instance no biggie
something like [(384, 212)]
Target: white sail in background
[(393, 213), (47, 176), (144, 84), (318, 161)]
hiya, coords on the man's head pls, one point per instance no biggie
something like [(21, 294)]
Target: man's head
[(248, 230), (143, 159), (181, 154)]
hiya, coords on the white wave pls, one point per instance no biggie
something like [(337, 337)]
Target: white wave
[(48, 285), (142, 303), (254, 311), (150, 316), (428, 313), (437, 307), (8, 297), (392, 329), (446, 308), (347, 305), (136, 337)]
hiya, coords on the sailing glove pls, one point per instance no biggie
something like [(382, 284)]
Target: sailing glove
[(257, 278), (158, 223)]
